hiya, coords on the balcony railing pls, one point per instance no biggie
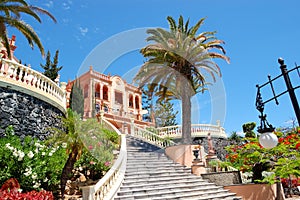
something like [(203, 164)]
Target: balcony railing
[(24, 79), (198, 130)]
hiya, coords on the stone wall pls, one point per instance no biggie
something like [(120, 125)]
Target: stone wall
[(219, 145), (28, 115), (223, 178)]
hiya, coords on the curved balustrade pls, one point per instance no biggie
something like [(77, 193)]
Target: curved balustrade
[(29, 81), (108, 186), (152, 138), (198, 130)]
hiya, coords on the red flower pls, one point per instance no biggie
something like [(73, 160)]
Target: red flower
[(280, 140), (90, 147), (297, 145)]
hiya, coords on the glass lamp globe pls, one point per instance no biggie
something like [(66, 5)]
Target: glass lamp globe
[(268, 140)]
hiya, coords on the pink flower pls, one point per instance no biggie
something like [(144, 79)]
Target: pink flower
[(91, 147), (107, 163), (99, 144), (92, 162)]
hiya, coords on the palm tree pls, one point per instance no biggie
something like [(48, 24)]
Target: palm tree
[(235, 138), (177, 61), (11, 11), (72, 124)]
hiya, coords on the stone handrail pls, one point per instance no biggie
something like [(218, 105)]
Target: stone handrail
[(152, 138), (196, 129), (108, 186), (22, 78)]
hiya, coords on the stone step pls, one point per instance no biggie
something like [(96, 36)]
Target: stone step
[(145, 156), (210, 196), (155, 171), (158, 186), (153, 180), (155, 175), (150, 175), (164, 182), (158, 168), (150, 163), (174, 193)]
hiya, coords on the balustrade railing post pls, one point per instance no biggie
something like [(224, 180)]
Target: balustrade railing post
[(132, 126)]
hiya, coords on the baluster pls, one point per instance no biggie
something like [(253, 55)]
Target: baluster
[(14, 72), (38, 81), (10, 70), (21, 74), (48, 87), (34, 79), (42, 84)]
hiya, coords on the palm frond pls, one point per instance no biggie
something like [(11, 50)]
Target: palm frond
[(172, 24)]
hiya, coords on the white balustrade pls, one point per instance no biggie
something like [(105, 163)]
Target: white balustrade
[(34, 83), (108, 186), (101, 76), (196, 130), (152, 138)]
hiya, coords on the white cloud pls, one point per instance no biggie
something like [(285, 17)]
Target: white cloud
[(83, 31), (66, 6), (49, 4)]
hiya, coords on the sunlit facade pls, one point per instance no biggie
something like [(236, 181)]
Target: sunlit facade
[(118, 100)]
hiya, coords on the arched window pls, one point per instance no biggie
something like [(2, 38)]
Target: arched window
[(106, 108), (105, 92), (137, 102), (118, 97), (97, 90), (130, 101)]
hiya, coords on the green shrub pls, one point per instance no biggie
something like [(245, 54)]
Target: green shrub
[(111, 136), (35, 165)]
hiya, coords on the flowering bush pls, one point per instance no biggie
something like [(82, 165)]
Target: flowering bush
[(283, 160), (35, 165), (10, 190), (290, 182), (32, 195), (98, 156)]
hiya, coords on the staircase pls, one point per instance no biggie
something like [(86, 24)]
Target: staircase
[(151, 175)]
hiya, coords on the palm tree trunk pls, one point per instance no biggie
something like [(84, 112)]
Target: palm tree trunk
[(67, 171), (186, 113)]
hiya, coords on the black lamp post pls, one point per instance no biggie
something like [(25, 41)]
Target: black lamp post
[(267, 138), (290, 89)]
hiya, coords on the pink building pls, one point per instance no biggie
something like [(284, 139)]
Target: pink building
[(119, 100)]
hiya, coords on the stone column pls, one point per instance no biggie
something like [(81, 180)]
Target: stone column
[(132, 126), (198, 166)]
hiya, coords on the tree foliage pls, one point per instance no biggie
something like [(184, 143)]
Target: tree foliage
[(248, 129), (177, 61), (164, 114), (51, 68), (76, 98)]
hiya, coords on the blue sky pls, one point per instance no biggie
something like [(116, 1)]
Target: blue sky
[(256, 33)]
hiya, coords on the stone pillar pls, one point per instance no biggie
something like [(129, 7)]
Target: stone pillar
[(101, 116), (132, 126), (126, 129), (198, 167)]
